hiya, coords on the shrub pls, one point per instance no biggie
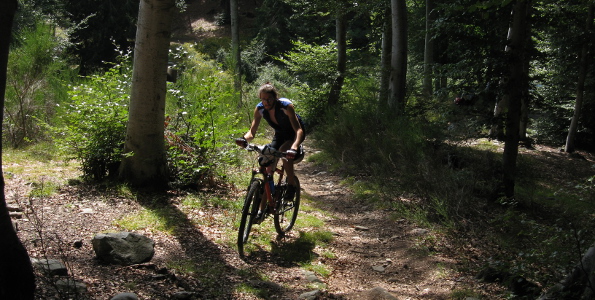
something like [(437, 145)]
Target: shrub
[(34, 84), (93, 123), (203, 117)]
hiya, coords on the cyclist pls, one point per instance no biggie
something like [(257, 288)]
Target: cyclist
[(289, 130)]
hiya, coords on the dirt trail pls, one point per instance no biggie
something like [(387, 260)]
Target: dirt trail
[(371, 249)]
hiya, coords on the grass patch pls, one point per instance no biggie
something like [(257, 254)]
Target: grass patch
[(39, 163), (43, 189), (320, 269), (155, 219)]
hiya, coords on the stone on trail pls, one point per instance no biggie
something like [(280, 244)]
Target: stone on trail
[(52, 267), (125, 296), (124, 248)]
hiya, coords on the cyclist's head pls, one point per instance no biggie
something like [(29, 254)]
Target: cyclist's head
[(269, 89)]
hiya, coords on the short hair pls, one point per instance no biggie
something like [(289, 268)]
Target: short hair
[(269, 89)]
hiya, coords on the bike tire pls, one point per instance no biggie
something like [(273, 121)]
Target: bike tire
[(287, 210), (249, 211)]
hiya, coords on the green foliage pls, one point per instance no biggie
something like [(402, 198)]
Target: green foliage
[(202, 119), (315, 68), (93, 124), (35, 71)]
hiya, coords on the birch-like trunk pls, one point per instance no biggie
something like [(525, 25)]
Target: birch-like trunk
[(145, 162)]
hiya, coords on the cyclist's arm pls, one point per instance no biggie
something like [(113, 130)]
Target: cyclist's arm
[(249, 136), (295, 124)]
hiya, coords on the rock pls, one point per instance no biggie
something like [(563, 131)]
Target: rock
[(125, 296), (124, 248), (71, 286), (16, 214), (52, 267), (13, 208), (379, 268), (311, 277), (376, 293), (310, 295), (77, 244)]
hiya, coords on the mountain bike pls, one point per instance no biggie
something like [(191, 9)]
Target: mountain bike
[(264, 188)]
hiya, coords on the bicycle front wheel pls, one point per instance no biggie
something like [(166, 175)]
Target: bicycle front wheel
[(249, 211), (287, 211)]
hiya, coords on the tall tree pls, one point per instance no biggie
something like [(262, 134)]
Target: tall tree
[(399, 56), (341, 36), (428, 49), (385, 60), (235, 48), (516, 89), (145, 163), (16, 273), (585, 60)]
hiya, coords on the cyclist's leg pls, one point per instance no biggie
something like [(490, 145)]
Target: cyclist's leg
[(288, 164)]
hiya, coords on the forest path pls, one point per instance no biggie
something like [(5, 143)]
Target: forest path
[(372, 250)]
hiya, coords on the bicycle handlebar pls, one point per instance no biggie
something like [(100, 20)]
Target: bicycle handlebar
[(265, 150)]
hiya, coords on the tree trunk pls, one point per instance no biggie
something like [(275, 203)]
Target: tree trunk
[(341, 36), (235, 49), (497, 129), (580, 87), (16, 273), (399, 56), (516, 91), (385, 61), (429, 50), (144, 163)]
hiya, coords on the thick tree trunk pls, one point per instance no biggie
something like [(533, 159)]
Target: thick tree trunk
[(385, 61), (235, 49), (516, 91), (399, 56), (580, 87), (145, 163), (16, 273), (429, 50), (341, 35)]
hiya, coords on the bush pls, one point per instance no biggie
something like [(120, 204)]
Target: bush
[(35, 70), (203, 117), (315, 69), (93, 123)]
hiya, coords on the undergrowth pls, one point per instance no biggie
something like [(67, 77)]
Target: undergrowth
[(452, 187)]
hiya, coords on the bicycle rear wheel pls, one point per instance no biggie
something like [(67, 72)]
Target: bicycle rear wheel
[(249, 211), (287, 210)]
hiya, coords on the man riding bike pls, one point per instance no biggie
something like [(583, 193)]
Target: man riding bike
[(289, 130)]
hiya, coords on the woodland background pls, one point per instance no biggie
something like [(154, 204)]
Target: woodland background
[(426, 98)]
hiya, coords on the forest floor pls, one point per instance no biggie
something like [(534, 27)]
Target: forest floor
[(369, 247)]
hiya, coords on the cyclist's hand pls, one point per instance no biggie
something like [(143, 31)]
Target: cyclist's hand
[(242, 142), (291, 154)]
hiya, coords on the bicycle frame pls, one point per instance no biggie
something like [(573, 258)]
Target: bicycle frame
[(266, 172)]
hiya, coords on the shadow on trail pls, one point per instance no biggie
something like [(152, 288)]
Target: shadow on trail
[(209, 266)]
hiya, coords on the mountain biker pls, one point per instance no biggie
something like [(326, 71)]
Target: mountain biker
[(289, 130)]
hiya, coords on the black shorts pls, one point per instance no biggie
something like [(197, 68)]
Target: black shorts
[(279, 139)]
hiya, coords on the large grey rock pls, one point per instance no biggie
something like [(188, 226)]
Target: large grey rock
[(124, 248)]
